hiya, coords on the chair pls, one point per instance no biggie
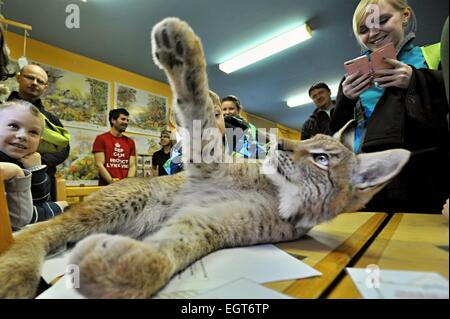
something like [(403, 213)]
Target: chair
[(73, 194), (6, 237)]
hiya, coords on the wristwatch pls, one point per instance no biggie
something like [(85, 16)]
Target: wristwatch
[(36, 168)]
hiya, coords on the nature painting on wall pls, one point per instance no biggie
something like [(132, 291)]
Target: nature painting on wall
[(79, 167), (77, 99), (145, 144), (148, 111)]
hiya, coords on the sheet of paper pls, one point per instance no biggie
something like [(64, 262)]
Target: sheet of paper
[(261, 264), (395, 284), (55, 266), (60, 290), (242, 289)]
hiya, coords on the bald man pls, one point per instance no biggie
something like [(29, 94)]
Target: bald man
[(33, 82)]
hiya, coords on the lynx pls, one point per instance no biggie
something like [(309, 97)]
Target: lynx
[(136, 234)]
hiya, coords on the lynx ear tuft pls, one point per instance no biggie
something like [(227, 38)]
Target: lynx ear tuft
[(346, 135)]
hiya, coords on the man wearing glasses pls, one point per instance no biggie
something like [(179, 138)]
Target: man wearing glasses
[(33, 82)]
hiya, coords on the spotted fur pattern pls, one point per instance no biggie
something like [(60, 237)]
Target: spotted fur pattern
[(136, 234)]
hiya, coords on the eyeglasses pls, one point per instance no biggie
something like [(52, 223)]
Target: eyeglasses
[(33, 78)]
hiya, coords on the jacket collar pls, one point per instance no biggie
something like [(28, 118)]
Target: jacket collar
[(317, 110), (15, 96), (6, 158)]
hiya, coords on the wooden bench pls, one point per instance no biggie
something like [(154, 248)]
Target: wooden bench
[(73, 194)]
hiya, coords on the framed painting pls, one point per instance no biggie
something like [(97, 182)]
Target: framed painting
[(77, 100), (145, 144), (79, 167), (148, 111)]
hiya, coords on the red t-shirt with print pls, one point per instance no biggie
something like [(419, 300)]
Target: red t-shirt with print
[(117, 154)]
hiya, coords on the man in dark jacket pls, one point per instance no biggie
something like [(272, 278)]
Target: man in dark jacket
[(33, 82), (319, 121)]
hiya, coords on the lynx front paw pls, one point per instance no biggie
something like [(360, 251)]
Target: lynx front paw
[(179, 51), (119, 267)]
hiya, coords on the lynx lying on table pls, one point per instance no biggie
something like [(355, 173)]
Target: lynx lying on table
[(181, 218)]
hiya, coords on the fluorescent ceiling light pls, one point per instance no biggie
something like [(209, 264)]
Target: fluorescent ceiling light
[(266, 49), (304, 98)]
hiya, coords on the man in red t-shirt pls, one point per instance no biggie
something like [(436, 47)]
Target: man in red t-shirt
[(115, 153)]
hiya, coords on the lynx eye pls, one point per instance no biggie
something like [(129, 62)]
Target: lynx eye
[(321, 159)]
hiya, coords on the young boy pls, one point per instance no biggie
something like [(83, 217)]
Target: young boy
[(21, 127)]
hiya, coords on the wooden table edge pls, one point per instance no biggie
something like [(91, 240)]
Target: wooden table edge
[(336, 261), (346, 289)]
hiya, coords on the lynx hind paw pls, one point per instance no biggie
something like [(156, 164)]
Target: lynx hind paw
[(119, 267), (174, 44)]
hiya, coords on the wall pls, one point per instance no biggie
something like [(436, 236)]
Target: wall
[(63, 59), (73, 62)]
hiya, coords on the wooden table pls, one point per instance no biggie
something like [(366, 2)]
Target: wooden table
[(328, 248), (417, 242)]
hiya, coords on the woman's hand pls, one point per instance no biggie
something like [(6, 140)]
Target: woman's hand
[(355, 84), (399, 76)]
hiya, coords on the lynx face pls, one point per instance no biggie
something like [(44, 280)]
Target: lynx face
[(314, 179), (321, 177)]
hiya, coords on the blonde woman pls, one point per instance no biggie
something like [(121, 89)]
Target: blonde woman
[(403, 106)]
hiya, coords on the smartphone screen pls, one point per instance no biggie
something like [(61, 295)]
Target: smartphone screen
[(360, 64), (378, 56)]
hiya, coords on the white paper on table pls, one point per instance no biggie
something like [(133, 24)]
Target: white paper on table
[(55, 266), (399, 284), (261, 264), (242, 289), (60, 290)]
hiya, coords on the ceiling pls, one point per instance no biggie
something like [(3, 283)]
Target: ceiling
[(117, 32)]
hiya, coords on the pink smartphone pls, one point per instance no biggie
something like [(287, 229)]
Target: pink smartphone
[(378, 56), (360, 64)]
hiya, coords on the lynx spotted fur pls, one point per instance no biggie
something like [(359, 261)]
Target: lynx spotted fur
[(136, 234)]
